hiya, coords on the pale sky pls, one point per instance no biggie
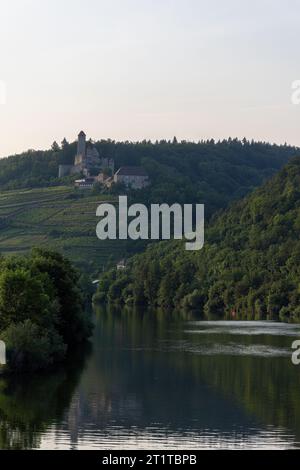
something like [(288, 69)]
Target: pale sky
[(135, 69)]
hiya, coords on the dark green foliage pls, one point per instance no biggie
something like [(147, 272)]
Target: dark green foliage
[(23, 296), (65, 280), (211, 172), (41, 309), (31, 348), (249, 267), (181, 172), (64, 220)]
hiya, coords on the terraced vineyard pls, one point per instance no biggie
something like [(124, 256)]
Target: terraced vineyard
[(57, 218)]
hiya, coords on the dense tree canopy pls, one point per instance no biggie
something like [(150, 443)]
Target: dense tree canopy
[(249, 267), (41, 309), (213, 172)]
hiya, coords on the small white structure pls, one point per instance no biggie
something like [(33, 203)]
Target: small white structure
[(132, 176), (121, 265), (86, 183)]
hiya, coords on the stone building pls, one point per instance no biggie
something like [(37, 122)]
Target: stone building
[(87, 160), (132, 176)]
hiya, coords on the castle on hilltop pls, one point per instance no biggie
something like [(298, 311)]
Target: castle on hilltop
[(94, 168), (87, 161)]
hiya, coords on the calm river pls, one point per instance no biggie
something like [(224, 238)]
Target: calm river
[(155, 381)]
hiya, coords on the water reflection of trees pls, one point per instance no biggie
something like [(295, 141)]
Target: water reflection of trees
[(29, 403), (134, 379), (265, 388)]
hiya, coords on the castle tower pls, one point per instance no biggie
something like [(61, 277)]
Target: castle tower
[(81, 146)]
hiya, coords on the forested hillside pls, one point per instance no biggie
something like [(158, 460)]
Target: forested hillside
[(249, 267), (210, 172), (38, 209)]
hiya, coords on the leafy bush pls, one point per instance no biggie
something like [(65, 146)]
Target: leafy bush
[(41, 309), (30, 348)]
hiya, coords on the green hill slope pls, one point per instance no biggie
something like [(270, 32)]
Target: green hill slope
[(249, 267), (57, 218), (214, 172), (50, 214)]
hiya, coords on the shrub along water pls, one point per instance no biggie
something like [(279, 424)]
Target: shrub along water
[(41, 309)]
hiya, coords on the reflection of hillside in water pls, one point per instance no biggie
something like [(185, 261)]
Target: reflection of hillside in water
[(145, 374), (162, 381), (29, 404)]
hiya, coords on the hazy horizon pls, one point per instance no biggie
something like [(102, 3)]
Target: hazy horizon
[(134, 70)]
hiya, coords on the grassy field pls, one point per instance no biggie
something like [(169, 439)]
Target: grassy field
[(59, 218)]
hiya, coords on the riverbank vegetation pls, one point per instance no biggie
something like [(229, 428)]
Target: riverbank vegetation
[(41, 310), (249, 267)]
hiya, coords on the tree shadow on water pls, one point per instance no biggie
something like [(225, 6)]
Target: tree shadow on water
[(30, 403)]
